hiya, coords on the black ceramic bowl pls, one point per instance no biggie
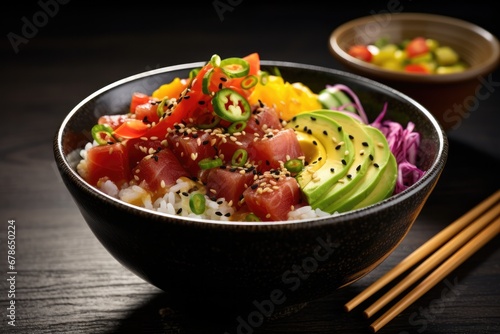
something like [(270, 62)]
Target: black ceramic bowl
[(281, 263)]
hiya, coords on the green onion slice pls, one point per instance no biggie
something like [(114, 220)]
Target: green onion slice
[(294, 165), (237, 127), (208, 163), (252, 217), (205, 83), (249, 82), (161, 105), (215, 61), (231, 106), (264, 78), (193, 73), (235, 67), (239, 158), (197, 203), (102, 134)]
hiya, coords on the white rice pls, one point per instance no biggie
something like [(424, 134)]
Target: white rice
[(175, 203)]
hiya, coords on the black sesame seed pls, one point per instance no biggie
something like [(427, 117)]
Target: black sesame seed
[(179, 211), (351, 137), (155, 157), (376, 165), (313, 118), (325, 132), (349, 176), (332, 169), (309, 131), (364, 144), (218, 213), (358, 168), (338, 147), (315, 143), (339, 128), (371, 157), (344, 162)]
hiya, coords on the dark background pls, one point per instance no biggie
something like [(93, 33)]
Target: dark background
[(67, 281)]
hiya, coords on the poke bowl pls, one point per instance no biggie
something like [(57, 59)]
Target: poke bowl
[(222, 260)]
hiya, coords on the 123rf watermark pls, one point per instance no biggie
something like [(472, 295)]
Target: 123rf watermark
[(11, 271)]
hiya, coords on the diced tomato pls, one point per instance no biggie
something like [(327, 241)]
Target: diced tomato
[(108, 161), (228, 184), (416, 47), (263, 119), (267, 152), (159, 171), (137, 99), (114, 121), (275, 204), (190, 149), (417, 68), (147, 112), (361, 52)]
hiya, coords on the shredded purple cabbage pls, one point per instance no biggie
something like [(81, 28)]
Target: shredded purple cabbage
[(403, 142)]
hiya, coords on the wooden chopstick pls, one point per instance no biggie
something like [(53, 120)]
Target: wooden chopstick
[(480, 216), (440, 255), (439, 274)]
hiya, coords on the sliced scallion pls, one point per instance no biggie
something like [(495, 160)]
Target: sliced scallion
[(102, 134), (197, 203), (294, 165), (249, 82), (235, 67), (208, 163), (239, 158)]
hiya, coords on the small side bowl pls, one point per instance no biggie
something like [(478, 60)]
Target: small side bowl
[(449, 97), (289, 263)]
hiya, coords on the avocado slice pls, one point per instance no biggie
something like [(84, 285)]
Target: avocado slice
[(385, 186), (317, 178), (379, 175), (363, 149)]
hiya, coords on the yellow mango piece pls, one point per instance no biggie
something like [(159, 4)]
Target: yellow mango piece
[(171, 90), (287, 98)]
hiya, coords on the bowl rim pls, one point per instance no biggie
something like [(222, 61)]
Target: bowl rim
[(432, 172), (492, 62)]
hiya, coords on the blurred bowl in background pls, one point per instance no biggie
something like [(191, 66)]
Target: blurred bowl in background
[(449, 97)]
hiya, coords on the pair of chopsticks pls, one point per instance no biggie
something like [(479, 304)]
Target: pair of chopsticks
[(458, 242)]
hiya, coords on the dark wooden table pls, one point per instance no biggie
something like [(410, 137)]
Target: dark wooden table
[(56, 54)]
